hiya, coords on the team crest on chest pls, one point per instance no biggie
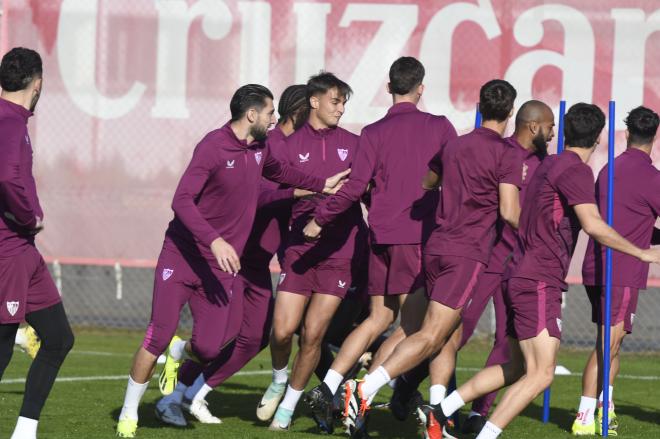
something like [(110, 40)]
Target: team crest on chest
[(257, 157), (303, 157), (12, 307), (343, 153), (167, 273), (230, 164)]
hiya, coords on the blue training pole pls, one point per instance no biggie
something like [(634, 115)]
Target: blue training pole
[(608, 269), (477, 117), (560, 148)]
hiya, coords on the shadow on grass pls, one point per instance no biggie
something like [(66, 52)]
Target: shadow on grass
[(148, 420)]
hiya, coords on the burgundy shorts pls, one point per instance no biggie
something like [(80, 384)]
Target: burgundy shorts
[(532, 306), (25, 286), (450, 280), (395, 269), (300, 275), (623, 305)]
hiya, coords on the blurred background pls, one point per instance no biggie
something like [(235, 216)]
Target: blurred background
[(131, 86)]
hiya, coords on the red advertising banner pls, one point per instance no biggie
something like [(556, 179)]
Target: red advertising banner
[(131, 86)]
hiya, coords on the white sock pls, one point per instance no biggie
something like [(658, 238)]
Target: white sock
[(280, 376), (600, 398), (21, 338), (586, 410), (438, 393), (177, 395), (194, 388), (26, 428), (134, 393), (291, 398), (452, 403), (201, 394), (392, 384), (333, 380), (473, 414), (374, 381), (178, 350), (490, 431)]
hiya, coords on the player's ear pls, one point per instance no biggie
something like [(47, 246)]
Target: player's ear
[(387, 87), (314, 102), (420, 89), (251, 115), (628, 135)]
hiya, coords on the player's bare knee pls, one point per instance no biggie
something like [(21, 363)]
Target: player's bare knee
[(282, 335)]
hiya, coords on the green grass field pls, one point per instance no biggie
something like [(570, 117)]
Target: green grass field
[(86, 404)]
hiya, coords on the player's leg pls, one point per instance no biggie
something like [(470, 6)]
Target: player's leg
[(319, 313), (7, 337), (443, 365), (170, 294), (287, 315), (498, 355)]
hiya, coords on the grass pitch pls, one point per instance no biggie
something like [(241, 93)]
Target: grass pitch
[(86, 400)]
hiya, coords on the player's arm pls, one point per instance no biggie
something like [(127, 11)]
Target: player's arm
[(655, 238), (193, 180), (433, 178), (363, 170), (593, 225), (509, 204), (271, 196), (12, 187), (281, 172)]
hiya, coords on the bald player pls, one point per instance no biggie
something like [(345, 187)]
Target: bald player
[(559, 202)]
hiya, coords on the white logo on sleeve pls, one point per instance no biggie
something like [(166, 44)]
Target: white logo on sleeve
[(257, 157), (167, 273), (559, 324), (303, 157), (230, 164), (341, 284), (282, 276), (524, 174), (12, 307), (343, 153), (27, 139)]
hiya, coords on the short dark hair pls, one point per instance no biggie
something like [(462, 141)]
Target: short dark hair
[(325, 81), (246, 97), (18, 68), (642, 124), (583, 124), (496, 99), (293, 100), (406, 73)]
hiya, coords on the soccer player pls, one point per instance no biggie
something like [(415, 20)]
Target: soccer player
[(559, 202), (27, 291), (253, 284), (480, 176), (636, 208), (534, 128), (392, 158), (316, 275), (214, 206)]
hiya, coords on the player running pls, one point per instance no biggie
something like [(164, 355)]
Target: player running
[(28, 292), (392, 158), (316, 275), (636, 207), (559, 202), (480, 176), (214, 206)]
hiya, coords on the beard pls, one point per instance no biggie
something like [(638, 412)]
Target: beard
[(540, 144), (33, 103), (258, 132)]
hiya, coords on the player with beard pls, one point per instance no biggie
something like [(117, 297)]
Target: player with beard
[(315, 275), (253, 297), (560, 201), (534, 129), (28, 292), (214, 207)]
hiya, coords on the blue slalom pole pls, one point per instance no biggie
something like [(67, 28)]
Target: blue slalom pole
[(608, 268), (477, 117), (560, 148)]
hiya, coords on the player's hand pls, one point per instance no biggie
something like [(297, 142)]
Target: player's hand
[(333, 181), (651, 255), (226, 256), (39, 225), (312, 231)]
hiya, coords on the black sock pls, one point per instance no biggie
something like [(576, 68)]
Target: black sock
[(53, 328)]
